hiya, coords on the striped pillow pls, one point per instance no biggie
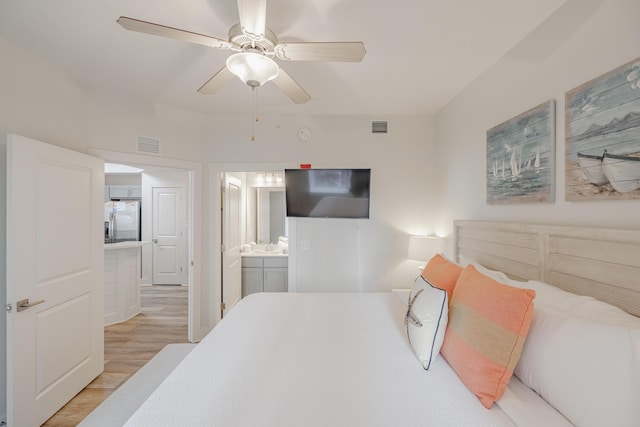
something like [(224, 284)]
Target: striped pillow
[(442, 273), (487, 328)]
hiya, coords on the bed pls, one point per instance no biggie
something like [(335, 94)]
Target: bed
[(300, 359)]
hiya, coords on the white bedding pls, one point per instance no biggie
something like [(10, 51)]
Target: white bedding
[(297, 359)]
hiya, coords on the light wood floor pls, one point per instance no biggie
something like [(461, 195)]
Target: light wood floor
[(128, 346)]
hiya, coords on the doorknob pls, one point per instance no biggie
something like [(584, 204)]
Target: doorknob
[(23, 304), (155, 240)]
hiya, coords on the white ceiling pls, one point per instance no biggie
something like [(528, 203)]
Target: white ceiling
[(420, 53)]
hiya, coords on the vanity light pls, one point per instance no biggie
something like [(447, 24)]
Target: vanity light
[(268, 179)]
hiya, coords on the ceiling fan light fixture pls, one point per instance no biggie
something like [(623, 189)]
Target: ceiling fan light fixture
[(254, 69)]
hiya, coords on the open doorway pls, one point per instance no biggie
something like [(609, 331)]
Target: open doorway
[(149, 204), (248, 220), (197, 328)]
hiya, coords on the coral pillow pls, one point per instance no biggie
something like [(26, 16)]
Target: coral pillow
[(442, 273), (487, 328)]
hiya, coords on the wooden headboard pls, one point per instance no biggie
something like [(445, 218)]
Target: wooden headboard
[(602, 263)]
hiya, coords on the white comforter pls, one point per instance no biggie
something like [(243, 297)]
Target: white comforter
[(295, 359)]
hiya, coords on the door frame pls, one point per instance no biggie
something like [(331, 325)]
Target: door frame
[(215, 220), (198, 311), (3, 278)]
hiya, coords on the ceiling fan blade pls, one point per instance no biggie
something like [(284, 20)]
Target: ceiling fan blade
[(253, 16), (218, 80), (173, 33), (322, 51), (292, 89)]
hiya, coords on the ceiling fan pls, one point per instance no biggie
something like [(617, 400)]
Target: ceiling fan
[(255, 46)]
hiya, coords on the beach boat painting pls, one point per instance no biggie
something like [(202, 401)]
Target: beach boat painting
[(623, 172), (520, 158), (592, 168), (602, 136)]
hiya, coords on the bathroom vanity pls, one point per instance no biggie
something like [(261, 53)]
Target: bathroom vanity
[(264, 272)]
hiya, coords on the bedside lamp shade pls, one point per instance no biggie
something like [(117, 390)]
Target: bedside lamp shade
[(423, 248)]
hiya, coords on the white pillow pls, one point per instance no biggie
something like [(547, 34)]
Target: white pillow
[(581, 306), (426, 320), (589, 371), (496, 275)]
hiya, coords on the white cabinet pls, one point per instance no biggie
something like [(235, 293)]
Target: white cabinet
[(252, 280), (123, 191), (135, 191), (264, 274), (117, 191), (121, 282), (276, 274)]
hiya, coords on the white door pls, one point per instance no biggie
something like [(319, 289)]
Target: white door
[(169, 236), (231, 261), (55, 261)]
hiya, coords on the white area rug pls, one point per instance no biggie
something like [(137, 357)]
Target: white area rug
[(123, 402)]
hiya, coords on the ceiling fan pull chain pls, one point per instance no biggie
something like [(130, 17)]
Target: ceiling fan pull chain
[(254, 116)]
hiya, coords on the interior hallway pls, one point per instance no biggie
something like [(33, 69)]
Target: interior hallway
[(129, 345)]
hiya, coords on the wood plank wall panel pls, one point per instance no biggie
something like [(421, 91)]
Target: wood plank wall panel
[(616, 275), (500, 250), (513, 269), (611, 251), (603, 263), (512, 250), (626, 299)]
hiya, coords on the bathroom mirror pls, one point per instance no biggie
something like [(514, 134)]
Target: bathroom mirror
[(270, 209)]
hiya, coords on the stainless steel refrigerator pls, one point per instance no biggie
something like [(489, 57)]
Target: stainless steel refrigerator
[(122, 221)]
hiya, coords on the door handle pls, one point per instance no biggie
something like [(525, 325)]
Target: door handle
[(155, 240), (23, 304)]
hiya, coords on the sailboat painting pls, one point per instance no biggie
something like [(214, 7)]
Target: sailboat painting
[(602, 137), (521, 158)]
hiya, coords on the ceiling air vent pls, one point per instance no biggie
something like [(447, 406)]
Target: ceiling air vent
[(148, 145), (379, 126)]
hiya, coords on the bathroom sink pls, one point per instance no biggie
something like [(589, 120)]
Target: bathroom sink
[(265, 250), (276, 251)]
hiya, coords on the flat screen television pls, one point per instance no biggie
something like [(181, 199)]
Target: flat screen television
[(327, 193)]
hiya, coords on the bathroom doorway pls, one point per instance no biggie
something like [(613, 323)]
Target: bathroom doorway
[(217, 173)]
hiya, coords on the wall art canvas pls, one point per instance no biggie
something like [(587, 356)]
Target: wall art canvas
[(521, 158), (602, 137)]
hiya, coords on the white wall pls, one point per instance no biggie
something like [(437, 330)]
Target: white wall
[(57, 110), (41, 102), (583, 40)]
